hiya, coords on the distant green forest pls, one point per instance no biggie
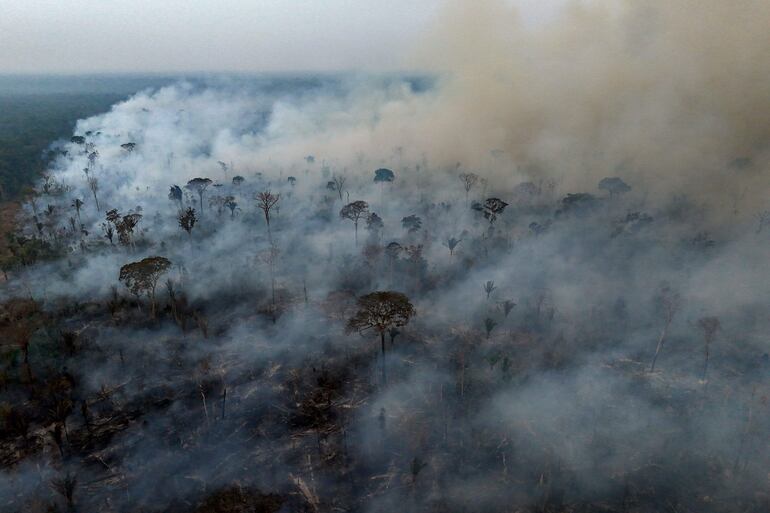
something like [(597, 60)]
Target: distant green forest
[(37, 110), (29, 123)]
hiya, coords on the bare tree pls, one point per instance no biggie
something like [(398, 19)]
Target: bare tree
[(468, 180), (339, 184), (266, 201), (93, 184), (710, 326), (489, 287), (381, 311), (269, 256), (355, 211), (669, 301)]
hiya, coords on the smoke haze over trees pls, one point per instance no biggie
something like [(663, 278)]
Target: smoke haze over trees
[(535, 280)]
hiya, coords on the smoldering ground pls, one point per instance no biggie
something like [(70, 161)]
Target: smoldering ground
[(525, 380)]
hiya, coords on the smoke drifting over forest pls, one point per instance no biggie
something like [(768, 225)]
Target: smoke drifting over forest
[(666, 93), (576, 212)]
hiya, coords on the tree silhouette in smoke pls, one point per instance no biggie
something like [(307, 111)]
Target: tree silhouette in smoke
[(614, 186), (199, 186), (142, 277), (355, 211), (468, 180), (381, 311), (266, 200)]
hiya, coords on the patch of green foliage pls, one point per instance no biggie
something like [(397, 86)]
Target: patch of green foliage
[(30, 123)]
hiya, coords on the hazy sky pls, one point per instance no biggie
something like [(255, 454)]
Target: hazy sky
[(197, 35)]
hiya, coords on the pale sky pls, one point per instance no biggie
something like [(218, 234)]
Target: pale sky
[(215, 35)]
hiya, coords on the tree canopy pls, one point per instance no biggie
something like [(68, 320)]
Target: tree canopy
[(381, 311), (142, 277), (384, 175)]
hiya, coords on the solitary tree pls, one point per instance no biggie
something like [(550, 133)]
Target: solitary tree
[(175, 194), (232, 205), (269, 256), (468, 180), (142, 277), (489, 325), (491, 208), (129, 147), (451, 243), (266, 201), (411, 223), (238, 180), (381, 311), (383, 175), (668, 300), (710, 326), (292, 181), (93, 184), (199, 186), (338, 182), (489, 287), (355, 211), (614, 185), (187, 220)]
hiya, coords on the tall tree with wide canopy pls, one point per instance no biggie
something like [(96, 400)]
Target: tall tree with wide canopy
[(142, 277), (381, 311), (199, 186), (383, 175), (614, 185), (355, 211)]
